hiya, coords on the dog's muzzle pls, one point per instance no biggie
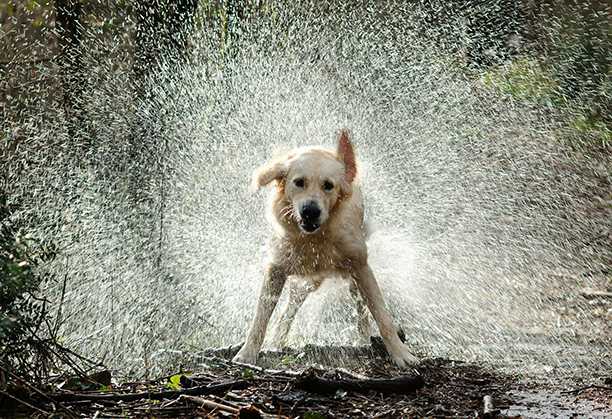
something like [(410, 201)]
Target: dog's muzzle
[(309, 214)]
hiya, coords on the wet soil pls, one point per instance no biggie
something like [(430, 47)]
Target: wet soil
[(452, 389)]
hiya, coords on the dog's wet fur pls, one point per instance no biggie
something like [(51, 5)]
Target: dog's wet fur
[(316, 210)]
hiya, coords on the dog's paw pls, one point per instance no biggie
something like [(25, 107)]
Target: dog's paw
[(402, 357), (244, 357)]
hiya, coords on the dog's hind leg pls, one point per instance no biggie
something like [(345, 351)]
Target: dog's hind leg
[(298, 292), (270, 292), (364, 327)]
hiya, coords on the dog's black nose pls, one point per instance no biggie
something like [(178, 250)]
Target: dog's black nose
[(311, 211)]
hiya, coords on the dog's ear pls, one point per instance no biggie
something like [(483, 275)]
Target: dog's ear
[(275, 169), (346, 155)]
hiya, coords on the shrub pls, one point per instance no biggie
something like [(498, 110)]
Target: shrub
[(22, 311)]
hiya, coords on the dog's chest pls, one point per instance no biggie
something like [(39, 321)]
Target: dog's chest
[(308, 257)]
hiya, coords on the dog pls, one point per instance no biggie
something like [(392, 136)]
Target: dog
[(316, 210)]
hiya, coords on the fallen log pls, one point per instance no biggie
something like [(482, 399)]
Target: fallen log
[(130, 397), (400, 385)]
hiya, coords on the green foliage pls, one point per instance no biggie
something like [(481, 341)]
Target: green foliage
[(22, 312), (583, 67), (587, 130), (288, 360), (567, 67), (587, 113), (309, 415), (578, 55), (174, 382), (521, 79)]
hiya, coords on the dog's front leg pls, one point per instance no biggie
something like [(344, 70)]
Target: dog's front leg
[(371, 294), (363, 319), (270, 293)]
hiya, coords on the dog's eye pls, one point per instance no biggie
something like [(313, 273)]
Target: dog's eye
[(299, 183), (328, 186)]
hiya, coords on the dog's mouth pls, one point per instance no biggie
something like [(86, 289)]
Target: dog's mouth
[(308, 226)]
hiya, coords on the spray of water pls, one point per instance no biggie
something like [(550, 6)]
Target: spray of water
[(482, 215)]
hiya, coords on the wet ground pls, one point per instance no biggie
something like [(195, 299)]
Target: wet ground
[(449, 389), (550, 402)]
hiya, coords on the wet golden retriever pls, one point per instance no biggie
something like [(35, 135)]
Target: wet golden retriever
[(316, 209)]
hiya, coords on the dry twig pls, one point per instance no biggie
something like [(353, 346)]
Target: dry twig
[(196, 391), (208, 404)]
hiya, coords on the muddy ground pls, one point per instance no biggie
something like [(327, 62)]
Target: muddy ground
[(448, 389)]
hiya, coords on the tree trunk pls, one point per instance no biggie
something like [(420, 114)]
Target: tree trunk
[(70, 63)]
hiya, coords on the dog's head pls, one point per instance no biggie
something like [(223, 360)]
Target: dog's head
[(313, 181)]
